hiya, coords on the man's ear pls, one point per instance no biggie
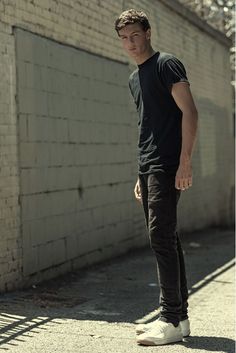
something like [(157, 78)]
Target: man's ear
[(148, 34)]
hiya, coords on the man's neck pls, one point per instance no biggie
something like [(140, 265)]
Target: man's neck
[(140, 60)]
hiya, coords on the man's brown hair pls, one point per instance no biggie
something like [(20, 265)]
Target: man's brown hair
[(130, 17)]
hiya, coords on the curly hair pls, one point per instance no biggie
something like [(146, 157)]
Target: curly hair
[(130, 17)]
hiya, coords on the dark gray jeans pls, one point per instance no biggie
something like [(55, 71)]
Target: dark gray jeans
[(159, 199)]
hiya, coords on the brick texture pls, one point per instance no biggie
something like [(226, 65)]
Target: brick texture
[(68, 133)]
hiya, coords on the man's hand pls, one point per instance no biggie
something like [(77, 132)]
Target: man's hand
[(137, 191), (184, 176)]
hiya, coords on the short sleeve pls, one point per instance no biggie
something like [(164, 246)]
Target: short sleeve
[(173, 71)]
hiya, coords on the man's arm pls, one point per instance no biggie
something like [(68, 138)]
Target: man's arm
[(183, 98)]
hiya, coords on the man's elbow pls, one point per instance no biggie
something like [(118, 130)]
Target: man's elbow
[(190, 116), (191, 111), (195, 121), (195, 114)]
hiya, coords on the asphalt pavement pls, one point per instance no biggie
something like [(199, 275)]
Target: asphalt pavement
[(95, 310)]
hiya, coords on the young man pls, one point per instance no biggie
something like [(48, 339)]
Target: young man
[(167, 130)]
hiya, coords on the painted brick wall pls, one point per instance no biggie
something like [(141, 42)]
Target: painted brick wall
[(50, 158), (10, 240), (75, 153)]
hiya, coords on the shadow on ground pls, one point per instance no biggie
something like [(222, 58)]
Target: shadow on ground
[(120, 290)]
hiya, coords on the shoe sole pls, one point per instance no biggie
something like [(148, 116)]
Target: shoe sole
[(139, 332), (150, 343)]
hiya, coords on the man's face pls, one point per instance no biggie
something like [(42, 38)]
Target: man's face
[(135, 40)]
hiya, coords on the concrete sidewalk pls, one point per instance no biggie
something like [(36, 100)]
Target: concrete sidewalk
[(96, 310)]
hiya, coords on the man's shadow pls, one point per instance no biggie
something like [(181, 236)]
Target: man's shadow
[(210, 344)]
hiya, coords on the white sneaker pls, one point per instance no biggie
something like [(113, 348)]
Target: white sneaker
[(184, 325), (161, 333)]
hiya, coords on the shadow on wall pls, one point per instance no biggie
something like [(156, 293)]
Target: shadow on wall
[(210, 202)]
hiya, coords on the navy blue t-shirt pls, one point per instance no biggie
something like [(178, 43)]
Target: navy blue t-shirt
[(160, 118)]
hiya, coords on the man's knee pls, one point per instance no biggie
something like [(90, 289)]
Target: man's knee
[(163, 239)]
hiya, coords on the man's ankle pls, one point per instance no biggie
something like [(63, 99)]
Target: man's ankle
[(175, 323)]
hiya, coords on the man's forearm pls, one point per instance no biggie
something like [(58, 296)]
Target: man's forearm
[(189, 133)]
